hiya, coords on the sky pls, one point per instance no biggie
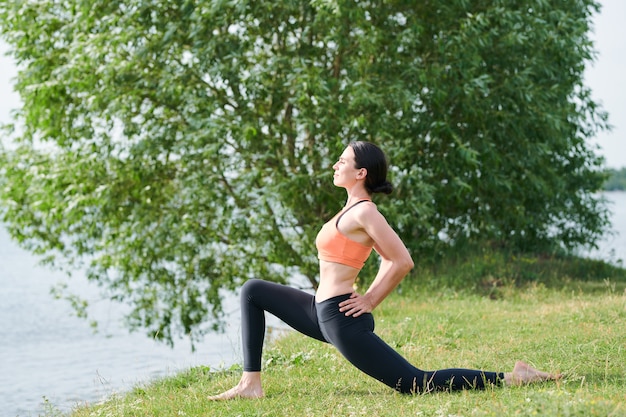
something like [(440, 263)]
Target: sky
[(605, 77)]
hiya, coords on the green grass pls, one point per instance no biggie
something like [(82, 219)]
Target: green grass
[(553, 319)]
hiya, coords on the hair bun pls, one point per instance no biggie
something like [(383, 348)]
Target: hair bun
[(385, 188)]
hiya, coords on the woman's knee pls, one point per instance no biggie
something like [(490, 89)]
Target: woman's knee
[(250, 287), (257, 287)]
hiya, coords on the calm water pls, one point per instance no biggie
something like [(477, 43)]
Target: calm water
[(48, 353), (613, 248)]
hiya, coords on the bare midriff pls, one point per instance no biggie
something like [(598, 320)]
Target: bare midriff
[(335, 279)]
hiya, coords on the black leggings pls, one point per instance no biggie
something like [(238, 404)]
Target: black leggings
[(354, 337)]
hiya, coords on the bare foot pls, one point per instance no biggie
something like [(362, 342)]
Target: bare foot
[(234, 393), (249, 386), (523, 373)]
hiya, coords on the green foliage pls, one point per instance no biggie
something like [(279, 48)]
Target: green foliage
[(179, 148), (616, 180)]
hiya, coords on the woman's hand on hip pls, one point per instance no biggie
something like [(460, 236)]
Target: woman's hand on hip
[(356, 305)]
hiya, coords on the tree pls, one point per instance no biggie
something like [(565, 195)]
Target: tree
[(180, 148)]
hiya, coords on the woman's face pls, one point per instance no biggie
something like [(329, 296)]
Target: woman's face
[(345, 172)]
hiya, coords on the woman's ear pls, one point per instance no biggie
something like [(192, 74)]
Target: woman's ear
[(361, 174)]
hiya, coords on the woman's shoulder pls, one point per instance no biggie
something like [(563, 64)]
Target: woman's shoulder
[(366, 211), (366, 205)]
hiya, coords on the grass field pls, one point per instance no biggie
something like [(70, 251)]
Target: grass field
[(552, 320)]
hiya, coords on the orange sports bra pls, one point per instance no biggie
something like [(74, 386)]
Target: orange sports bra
[(332, 246)]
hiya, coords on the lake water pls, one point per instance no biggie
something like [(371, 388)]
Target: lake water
[(48, 354), (613, 248)]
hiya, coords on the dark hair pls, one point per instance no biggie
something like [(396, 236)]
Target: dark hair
[(372, 158)]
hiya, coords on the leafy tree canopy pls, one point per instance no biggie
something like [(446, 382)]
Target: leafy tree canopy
[(182, 147)]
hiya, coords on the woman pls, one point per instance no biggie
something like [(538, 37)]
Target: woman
[(336, 313)]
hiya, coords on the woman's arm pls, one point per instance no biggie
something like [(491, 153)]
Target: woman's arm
[(395, 263)]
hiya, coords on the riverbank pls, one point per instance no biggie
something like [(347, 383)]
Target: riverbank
[(567, 317)]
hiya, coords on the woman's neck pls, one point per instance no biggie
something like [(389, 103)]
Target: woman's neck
[(356, 198)]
